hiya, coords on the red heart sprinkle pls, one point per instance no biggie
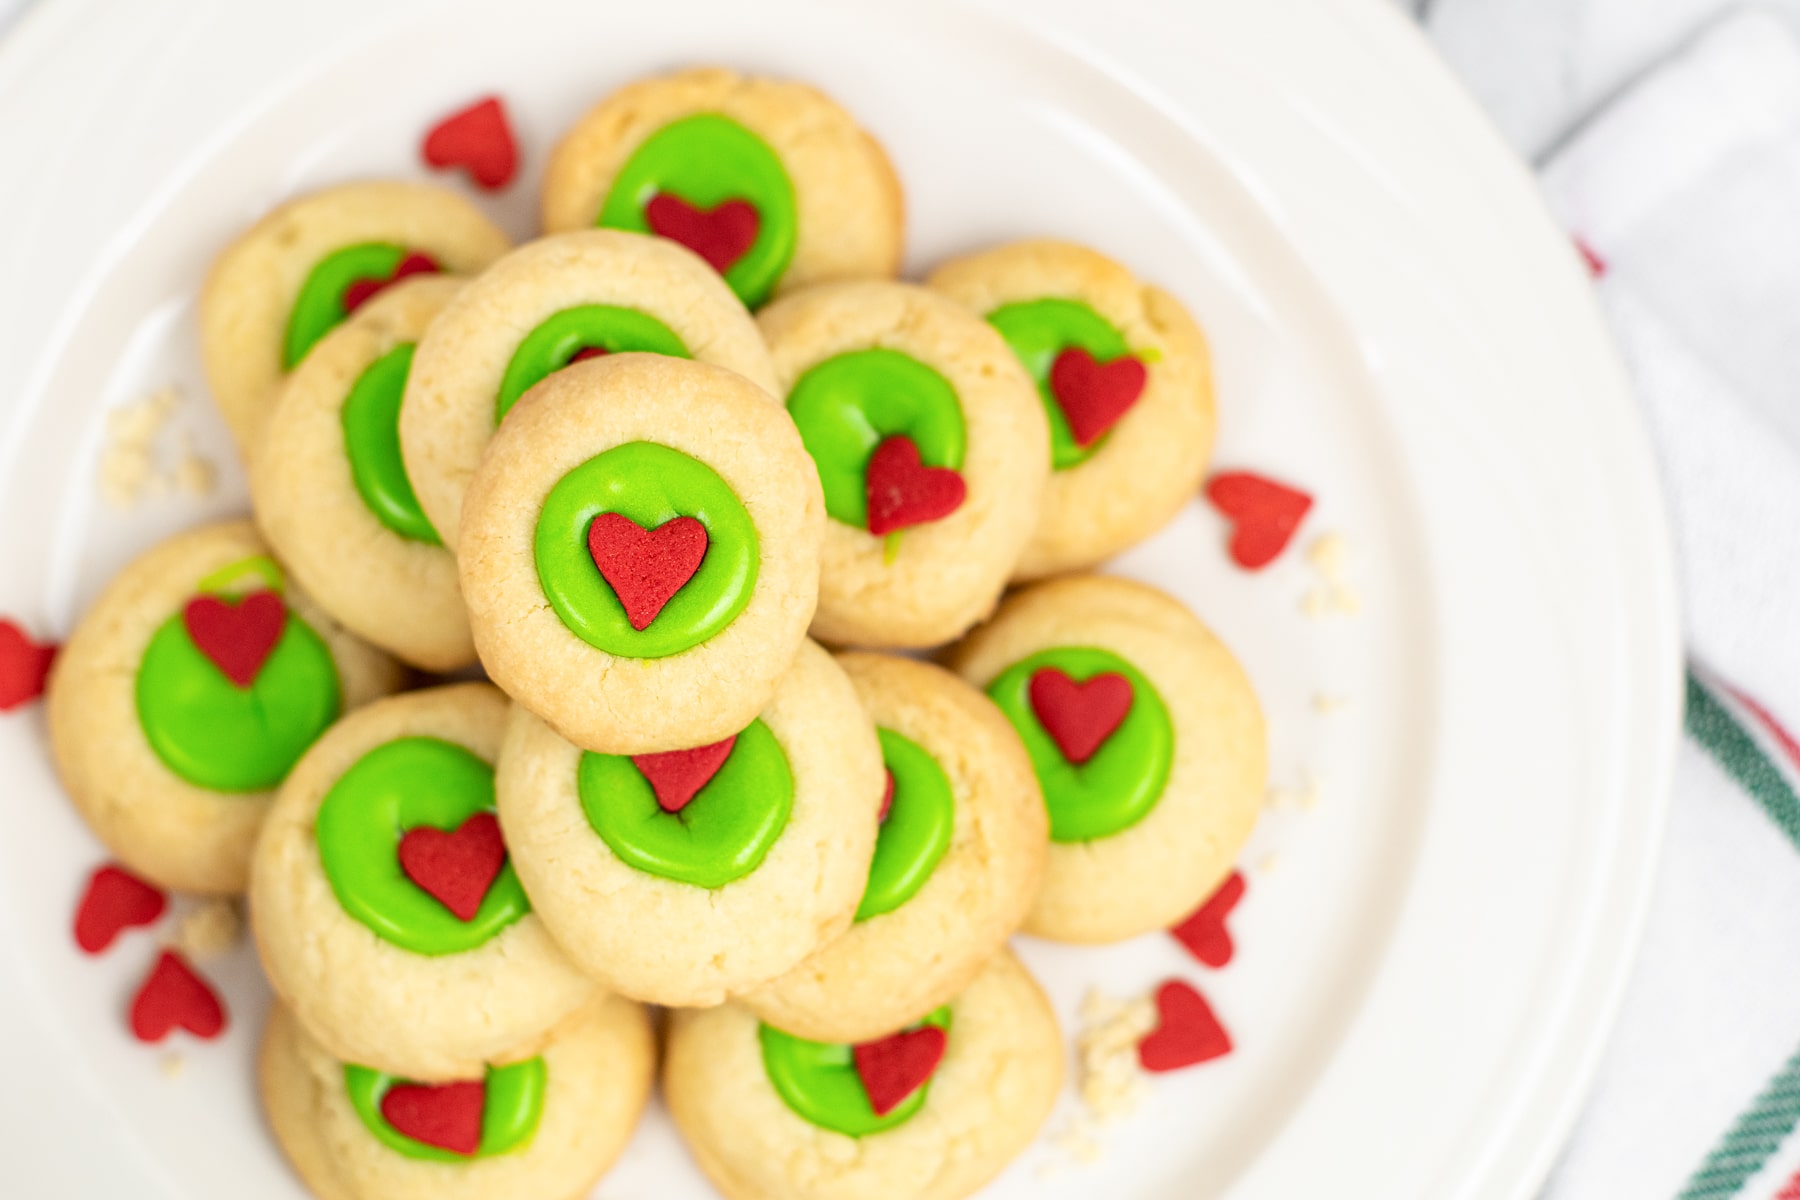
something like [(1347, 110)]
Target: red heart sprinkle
[(1188, 1033), (361, 291), (587, 352), (721, 235), (479, 138), (237, 637), (1204, 932), (887, 797), (1265, 514), (646, 567), (24, 666), (175, 997), (455, 868), (898, 1065), (903, 491), (115, 901), (676, 776), (445, 1115), (1079, 717), (1094, 395)]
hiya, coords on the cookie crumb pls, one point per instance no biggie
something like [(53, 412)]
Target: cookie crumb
[(1310, 790), (172, 1066), (1326, 704), (1329, 557), (1268, 863), (209, 929), (1109, 1078), (129, 464)]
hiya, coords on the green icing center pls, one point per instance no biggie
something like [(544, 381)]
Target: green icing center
[(850, 403), (221, 737), (555, 343), (706, 160), (722, 834), (1038, 331), (371, 417), (818, 1081), (1123, 780), (652, 485), (319, 308), (513, 1105), (397, 786), (917, 830)]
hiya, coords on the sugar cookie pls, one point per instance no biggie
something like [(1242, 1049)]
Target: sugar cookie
[(189, 689), (932, 450), (769, 181), (1148, 743), (957, 864), (1125, 380)]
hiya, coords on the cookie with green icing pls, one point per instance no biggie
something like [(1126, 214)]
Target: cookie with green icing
[(187, 693), (385, 903), (548, 1120), (771, 829), (958, 860), (769, 182), (640, 552), (286, 282), (1125, 380), (1147, 741)]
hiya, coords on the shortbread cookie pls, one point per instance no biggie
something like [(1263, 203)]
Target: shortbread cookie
[(682, 878), (335, 501), (957, 863), (189, 689), (932, 450), (544, 1121), (543, 306), (1125, 379), (769, 181), (930, 1113), (1148, 743), (296, 274), (640, 552), (385, 910)]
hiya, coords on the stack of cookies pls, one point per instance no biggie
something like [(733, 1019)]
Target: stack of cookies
[(643, 471)]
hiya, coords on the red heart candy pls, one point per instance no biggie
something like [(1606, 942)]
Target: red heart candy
[(24, 666), (445, 1115), (455, 868), (898, 1065), (361, 291), (237, 637), (115, 900), (587, 352), (721, 234), (646, 567), (903, 491), (479, 138), (1079, 717), (175, 997), (1188, 1033), (676, 776), (887, 797), (1265, 513), (1204, 932), (1094, 395)]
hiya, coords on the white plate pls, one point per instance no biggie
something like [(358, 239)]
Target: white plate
[(1427, 960)]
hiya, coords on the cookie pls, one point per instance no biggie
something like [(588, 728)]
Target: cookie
[(296, 274), (932, 450), (1148, 743), (538, 309), (957, 863), (769, 181), (640, 552), (682, 878), (335, 502), (545, 1121), (930, 1113), (188, 690), (386, 913), (1125, 380)]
